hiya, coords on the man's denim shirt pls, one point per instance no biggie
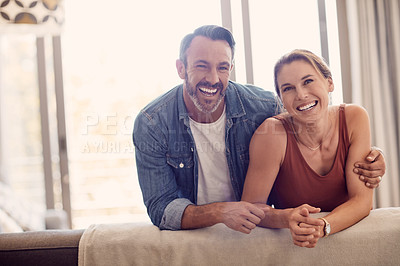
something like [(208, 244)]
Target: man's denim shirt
[(166, 157)]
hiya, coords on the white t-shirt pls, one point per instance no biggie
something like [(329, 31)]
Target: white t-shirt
[(214, 184)]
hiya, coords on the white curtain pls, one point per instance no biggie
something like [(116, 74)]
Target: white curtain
[(374, 39)]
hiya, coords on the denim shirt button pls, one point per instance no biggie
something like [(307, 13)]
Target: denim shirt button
[(191, 149), (181, 165)]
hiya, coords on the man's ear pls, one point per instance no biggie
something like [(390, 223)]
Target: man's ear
[(232, 65), (180, 67)]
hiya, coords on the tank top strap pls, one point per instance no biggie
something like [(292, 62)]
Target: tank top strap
[(344, 136), (290, 133), (285, 123)]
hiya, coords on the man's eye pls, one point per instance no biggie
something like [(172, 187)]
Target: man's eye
[(201, 66), (224, 68)]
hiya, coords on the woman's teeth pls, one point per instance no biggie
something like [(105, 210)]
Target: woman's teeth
[(307, 107)]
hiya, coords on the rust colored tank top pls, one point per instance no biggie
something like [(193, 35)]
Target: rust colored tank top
[(297, 183)]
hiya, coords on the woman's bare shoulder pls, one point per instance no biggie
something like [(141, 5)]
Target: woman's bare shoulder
[(271, 126), (357, 121), (355, 114), (270, 135), (268, 143)]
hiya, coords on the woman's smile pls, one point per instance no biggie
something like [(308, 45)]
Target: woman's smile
[(307, 107)]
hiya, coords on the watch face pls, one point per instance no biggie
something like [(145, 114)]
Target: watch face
[(327, 229)]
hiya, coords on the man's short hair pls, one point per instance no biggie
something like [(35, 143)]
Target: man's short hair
[(212, 32)]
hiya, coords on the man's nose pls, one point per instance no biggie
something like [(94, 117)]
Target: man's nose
[(212, 76)]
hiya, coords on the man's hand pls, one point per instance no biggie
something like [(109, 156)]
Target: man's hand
[(241, 216), (371, 173)]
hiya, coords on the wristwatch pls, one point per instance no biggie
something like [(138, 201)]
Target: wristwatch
[(327, 227)]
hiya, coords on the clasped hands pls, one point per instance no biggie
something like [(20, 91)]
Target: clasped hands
[(305, 230), (244, 216)]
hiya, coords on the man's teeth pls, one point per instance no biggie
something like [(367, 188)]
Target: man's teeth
[(306, 107), (209, 91)]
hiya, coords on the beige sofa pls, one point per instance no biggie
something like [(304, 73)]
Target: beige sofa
[(373, 241)]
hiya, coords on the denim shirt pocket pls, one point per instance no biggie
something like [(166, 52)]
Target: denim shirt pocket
[(183, 168), (181, 161)]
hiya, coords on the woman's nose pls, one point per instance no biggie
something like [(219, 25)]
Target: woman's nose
[(301, 93)]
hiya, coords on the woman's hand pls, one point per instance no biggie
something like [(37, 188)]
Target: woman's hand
[(305, 230), (319, 233)]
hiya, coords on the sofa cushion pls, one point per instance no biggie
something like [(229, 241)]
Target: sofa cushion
[(50, 247)]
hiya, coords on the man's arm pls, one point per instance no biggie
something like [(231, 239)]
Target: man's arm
[(156, 178), (240, 216), (371, 172)]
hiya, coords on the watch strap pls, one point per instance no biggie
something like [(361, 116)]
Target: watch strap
[(327, 224)]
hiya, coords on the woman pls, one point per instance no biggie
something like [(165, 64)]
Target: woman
[(301, 161)]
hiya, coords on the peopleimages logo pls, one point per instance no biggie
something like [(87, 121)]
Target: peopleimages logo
[(104, 146), (106, 133), (107, 124)]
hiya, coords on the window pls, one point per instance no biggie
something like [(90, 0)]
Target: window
[(20, 135), (280, 27), (117, 57)]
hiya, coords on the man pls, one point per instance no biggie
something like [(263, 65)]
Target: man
[(192, 142)]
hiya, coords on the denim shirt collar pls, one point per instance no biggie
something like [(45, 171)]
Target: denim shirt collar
[(234, 104)]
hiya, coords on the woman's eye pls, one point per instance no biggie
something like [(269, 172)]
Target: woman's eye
[(287, 89), (307, 81)]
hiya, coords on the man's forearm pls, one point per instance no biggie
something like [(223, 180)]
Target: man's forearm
[(172, 216), (201, 216), (240, 216)]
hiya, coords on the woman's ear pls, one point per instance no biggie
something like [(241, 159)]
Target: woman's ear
[(180, 67), (331, 86)]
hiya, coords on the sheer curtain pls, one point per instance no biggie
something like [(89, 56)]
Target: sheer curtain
[(370, 35)]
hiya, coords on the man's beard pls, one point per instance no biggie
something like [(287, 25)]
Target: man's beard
[(204, 108)]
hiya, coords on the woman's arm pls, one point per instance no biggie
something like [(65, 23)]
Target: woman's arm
[(267, 151), (267, 148), (360, 197)]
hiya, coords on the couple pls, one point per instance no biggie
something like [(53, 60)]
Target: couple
[(192, 147)]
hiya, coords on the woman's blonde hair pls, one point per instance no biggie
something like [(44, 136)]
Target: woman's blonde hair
[(317, 62)]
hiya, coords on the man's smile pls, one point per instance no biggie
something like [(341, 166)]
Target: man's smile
[(208, 91)]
